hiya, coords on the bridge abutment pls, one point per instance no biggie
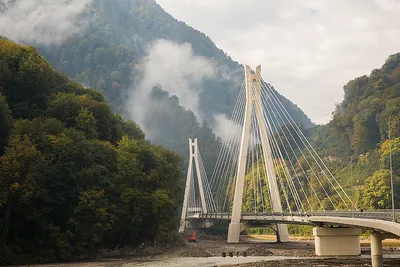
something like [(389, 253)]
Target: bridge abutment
[(337, 241), (376, 249)]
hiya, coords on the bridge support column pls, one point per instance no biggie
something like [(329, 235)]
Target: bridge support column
[(253, 99), (182, 225), (376, 249), (234, 232), (193, 156), (337, 241)]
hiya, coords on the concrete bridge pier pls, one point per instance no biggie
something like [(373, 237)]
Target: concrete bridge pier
[(376, 249), (234, 232), (337, 241)]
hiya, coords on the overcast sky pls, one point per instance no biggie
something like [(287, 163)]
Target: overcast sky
[(308, 49)]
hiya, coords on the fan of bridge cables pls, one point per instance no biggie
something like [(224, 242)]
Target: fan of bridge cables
[(304, 181)]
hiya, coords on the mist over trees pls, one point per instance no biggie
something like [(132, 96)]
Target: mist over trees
[(109, 55), (74, 176)]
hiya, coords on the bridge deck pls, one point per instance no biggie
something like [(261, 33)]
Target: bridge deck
[(377, 220)]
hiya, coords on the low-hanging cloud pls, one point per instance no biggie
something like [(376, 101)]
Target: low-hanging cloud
[(41, 21), (225, 127), (174, 68)]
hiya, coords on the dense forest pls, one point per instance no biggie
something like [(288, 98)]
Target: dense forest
[(108, 56), (75, 176), (355, 142)]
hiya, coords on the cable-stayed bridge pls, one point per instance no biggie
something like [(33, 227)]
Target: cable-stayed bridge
[(269, 175)]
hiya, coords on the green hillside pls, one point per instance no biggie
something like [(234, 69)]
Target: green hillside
[(74, 176), (355, 146), (355, 142), (116, 41), (108, 54)]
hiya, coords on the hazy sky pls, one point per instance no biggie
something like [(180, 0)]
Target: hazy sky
[(308, 49)]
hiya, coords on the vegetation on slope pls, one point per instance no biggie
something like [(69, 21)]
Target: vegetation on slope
[(107, 55), (74, 177), (356, 140), (355, 146), (116, 41)]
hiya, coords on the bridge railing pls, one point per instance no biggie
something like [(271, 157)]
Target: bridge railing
[(386, 215)]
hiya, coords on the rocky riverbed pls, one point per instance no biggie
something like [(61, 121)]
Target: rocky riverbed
[(208, 251)]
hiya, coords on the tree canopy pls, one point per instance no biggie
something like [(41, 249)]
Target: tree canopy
[(358, 135), (108, 55), (75, 177)]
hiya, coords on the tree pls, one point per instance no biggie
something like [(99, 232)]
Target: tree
[(90, 220), (5, 122), (21, 169), (132, 130), (65, 107), (86, 122), (23, 81), (377, 193), (391, 147)]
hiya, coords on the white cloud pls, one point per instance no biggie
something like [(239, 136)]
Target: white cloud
[(176, 70), (309, 49), (41, 21), (226, 128)]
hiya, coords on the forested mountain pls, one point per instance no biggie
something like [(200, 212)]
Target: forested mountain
[(356, 140), (117, 39), (74, 176), (109, 56)]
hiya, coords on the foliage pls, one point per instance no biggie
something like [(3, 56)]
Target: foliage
[(75, 177), (387, 148), (107, 57), (5, 121), (294, 230), (377, 190), (178, 125), (356, 139), (86, 122), (361, 120)]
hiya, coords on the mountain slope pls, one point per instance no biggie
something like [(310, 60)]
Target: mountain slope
[(355, 142), (117, 42), (360, 122)]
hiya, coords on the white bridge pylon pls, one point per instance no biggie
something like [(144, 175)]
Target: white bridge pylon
[(265, 165), (198, 197), (254, 104)]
